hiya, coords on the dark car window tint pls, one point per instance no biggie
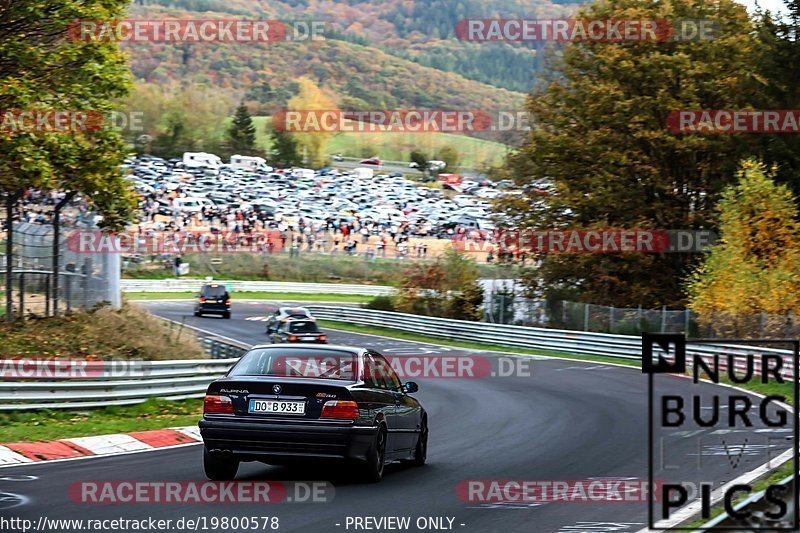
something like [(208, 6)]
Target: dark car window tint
[(326, 364), (303, 327), (392, 381), (378, 373), (214, 292), (369, 372)]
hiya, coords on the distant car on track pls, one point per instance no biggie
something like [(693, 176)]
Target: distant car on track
[(286, 313), (285, 404), (371, 161), (214, 299), (298, 330)]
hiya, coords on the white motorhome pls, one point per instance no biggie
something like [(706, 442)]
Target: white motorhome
[(201, 159), (363, 173), (250, 163)]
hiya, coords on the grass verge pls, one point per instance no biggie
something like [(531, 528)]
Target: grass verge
[(281, 296), (59, 424), (773, 479), (103, 332)]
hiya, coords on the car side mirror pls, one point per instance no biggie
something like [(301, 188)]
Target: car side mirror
[(411, 387)]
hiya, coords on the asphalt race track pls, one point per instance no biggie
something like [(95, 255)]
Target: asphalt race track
[(567, 420)]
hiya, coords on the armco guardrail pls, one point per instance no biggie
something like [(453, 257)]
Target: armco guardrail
[(174, 380), (557, 340), (189, 379), (132, 382), (194, 285)]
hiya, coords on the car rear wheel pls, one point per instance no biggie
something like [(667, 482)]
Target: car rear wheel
[(218, 468), (373, 469), (227, 314), (198, 313)]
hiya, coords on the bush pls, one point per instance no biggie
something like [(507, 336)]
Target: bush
[(381, 303)]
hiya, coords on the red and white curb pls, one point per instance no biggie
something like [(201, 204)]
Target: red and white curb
[(16, 453)]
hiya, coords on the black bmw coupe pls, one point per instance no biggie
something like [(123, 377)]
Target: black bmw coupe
[(281, 404)]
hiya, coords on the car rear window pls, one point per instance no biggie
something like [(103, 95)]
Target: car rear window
[(324, 364), (303, 326), (210, 291)]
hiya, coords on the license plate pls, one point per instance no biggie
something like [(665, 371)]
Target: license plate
[(308, 339), (278, 406)]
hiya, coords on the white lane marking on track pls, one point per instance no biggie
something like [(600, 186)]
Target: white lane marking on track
[(597, 527), (508, 505), (583, 368), (9, 500)]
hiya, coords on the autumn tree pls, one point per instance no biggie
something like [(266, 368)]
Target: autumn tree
[(43, 67), (314, 144), (449, 154), (600, 138), (447, 287), (755, 267), (419, 158)]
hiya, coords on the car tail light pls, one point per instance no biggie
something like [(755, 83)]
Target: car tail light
[(216, 404), (228, 301), (339, 409), (323, 337), (202, 300), (292, 337)]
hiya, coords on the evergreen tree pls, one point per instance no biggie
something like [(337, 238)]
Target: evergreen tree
[(284, 149), (242, 133)]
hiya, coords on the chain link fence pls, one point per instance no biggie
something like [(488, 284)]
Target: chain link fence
[(504, 305), (47, 279)]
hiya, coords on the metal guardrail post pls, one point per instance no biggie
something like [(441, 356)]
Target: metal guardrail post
[(46, 295), (68, 292), (21, 294)]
